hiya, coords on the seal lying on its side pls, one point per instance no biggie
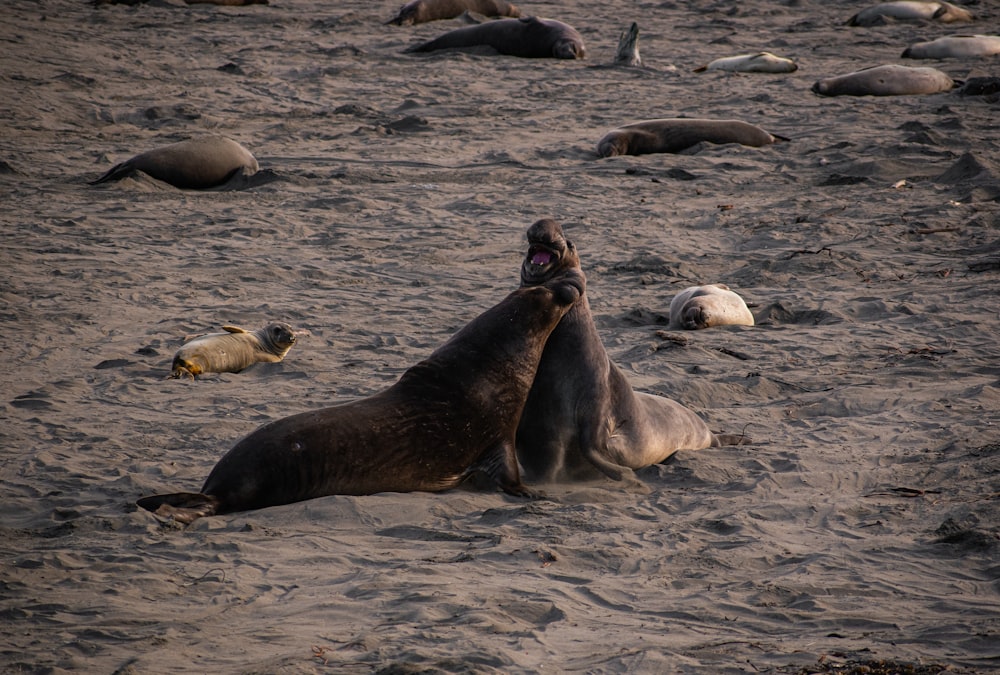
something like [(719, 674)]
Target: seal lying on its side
[(197, 163), (910, 10), (423, 11), (888, 80), (528, 37), (232, 351), (761, 62), (582, 414), (706, 306), (955, 47), (447, 417), (677, 134)]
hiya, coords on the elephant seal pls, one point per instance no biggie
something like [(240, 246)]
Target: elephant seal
[(528, 37), (423, 11), (706, 306), (889, 80), (450, 416), (196, 163), (761, 62), (677, 134), (582, 416), (910, 10), (232, 351), (955, 47)]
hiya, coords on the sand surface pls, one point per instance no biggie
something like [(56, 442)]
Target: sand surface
[(862, 525)]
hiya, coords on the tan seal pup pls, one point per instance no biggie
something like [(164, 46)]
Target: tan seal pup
[(423, 11), (232, 351), (528, 37), (761, 62), (194, 164), (677, 134), (955, 47), (707, 306), (910, 10), (889, 80)]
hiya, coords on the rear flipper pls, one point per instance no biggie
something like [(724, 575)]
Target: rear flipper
[(183, 507), (117, 172)]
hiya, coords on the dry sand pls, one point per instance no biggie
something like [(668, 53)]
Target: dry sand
[(861, 526)]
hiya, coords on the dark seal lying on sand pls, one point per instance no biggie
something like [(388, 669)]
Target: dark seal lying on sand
[(528, 37), (678, 134)]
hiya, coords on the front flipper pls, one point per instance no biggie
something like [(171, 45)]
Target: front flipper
[(500, 465), (183, 507)]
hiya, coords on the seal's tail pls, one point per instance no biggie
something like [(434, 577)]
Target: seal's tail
[(183, 507)]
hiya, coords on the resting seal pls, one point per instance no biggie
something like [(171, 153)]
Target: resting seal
[(910, 10), (582, 414), (449, 416), (232, 351), (761, 62), (422, 11), (528, 37), (197, 163), (955, 47), (707, 306), (889, 80), (675, 135)]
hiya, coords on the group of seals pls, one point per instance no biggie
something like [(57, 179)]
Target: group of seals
[(707, 306), (955, 47), (232, 351), (678, 134), (423, 11), (527, 37), (888, 80), (910, 10)]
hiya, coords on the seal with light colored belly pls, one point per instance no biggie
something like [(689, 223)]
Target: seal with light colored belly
[(450, 416), (232, 351), (423, 11), (528, 37), (706, 306), (582, 416), (910, 10), (677, 134), (888, 80), (955, 47), (197, 163), (761, 62)]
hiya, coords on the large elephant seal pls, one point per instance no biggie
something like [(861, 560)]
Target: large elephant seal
[(910, 10), (449, 416), (677, 134), (528, 37), (423, 11), (706, 306), (761, 62), (955, 47), (888, 80), (232, 351), (582, 416), (196, 164)]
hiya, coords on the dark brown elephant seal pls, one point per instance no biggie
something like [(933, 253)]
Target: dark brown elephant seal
[(910, 10), (232, 351), (677, 134), (423, 11), (449, 416), (582, 416), (194, 164), (527, 37), (888, 80)]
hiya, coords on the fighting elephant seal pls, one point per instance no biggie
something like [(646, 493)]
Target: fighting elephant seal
[(582, 416), (528, 37), (195, 164), (910, 10), (232, 351), (447, 417), (761, 62), (706, 306), (423, 11), (888, 80), (955, 47), (677, 134)]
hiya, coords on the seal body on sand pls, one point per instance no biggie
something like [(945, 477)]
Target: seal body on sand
[(910, 10), (449, 416), (707, 306), (423, 11), (582, 416), (197, 163), (889, 80), (232, 351), (675, 135), (528, 37), (955, 47), (761, 62)]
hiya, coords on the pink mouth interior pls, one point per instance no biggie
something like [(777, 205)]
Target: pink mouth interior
[(541, 258)]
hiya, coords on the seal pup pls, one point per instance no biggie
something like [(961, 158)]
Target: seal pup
[(888, 80), (528, 37), (582, 416), (232, 351), (706, 306), (423, 11), (450, 416), (196, 164), (955, 47), (677, 134), (910, 10), (761, 62)]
